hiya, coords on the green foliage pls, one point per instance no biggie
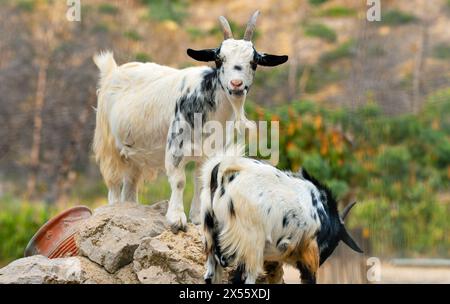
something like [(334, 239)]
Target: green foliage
[(174, 10), (320, 31), (100, 28), (338, 11), (317, 2), (19, 221), (142, 57), (396, 17), (26, 5), (108, 9), (133, 35), (345, 50), (441, 51)]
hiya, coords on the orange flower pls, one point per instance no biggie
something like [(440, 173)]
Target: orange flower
[(318, 122), (291, 128), (290, 146)]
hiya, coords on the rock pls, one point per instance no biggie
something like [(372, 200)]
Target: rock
[(114, 232), (41, 270), (171, 258), (124, 243)]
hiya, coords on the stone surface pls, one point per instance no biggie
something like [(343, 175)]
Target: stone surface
[(125, 243), (41, 270), (171, 258), (113, 233)]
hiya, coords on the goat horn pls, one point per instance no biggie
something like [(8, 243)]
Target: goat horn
[(227, 34), (251, 26), (347, 210)]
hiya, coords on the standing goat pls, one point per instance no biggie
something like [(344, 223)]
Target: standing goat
[(256, 215), (143, 108)]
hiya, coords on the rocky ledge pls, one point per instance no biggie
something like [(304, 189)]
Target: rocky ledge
[(123, 243)]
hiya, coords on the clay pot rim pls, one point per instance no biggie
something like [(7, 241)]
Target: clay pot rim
[(43, 229)]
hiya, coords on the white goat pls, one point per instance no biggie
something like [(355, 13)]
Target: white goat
[(143, 108), (256, 216)]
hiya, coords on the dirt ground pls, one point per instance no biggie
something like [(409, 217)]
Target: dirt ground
[(394, 275)]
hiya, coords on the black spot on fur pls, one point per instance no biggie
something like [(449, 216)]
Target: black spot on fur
[(180, 185), (231, 178), (314, 199), (307, 276), (181, 144), (213, 183), (238, 68), (231, 208), (269, 209), (285, 220), (222, 191), (202, 99), (237, 277), (326, 209), (209, 221)]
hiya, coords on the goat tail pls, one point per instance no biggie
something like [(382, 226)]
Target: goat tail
[(228, 159), (105, 63), (104, 145)]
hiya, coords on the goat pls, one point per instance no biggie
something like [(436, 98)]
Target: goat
[(256, 216), (143, 108)]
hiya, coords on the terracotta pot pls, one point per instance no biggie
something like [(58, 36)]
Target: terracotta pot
[(56, 238)]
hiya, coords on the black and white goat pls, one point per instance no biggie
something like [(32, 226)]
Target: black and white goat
[(258, 217), (143, 108)]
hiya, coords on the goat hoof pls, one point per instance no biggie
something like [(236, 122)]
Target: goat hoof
[(177, 221), (196, 220)]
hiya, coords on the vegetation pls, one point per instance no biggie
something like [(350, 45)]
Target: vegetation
[(396, 17), (337, 12), (320, 31), (174, 10), (442, 51), (395, 182), (317, 2)]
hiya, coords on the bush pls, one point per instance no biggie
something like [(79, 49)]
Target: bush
[(395, 17), (338, 11), (133, 35), (345, 50), (442, 51), (19, 221), (317, 2), (321, 31), (174, 10), (108, 9)]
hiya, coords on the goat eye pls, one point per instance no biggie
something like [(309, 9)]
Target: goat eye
[(219, 61), (253, 65)]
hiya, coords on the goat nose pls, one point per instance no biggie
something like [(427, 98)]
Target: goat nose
[(236, 83)]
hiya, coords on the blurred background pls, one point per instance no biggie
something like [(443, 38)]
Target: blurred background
[(364, 106)]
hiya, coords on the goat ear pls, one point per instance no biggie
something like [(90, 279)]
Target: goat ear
[(347, 239), (271, 60), (202, 55)]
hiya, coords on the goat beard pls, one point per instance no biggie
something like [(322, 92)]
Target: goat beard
[(241, 121)]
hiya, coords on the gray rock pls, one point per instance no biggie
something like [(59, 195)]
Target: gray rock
[(171, 258), (125, 243), (41, 270), (114, 232)]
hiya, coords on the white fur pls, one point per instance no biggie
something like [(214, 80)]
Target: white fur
[(251, 235), (136, 103)]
